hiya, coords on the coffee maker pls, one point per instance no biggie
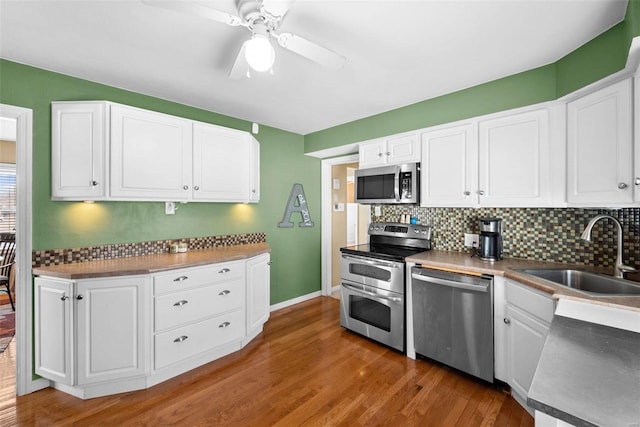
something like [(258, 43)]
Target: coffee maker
[(490, 248)]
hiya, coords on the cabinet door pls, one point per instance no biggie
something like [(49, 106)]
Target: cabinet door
[(372, 154), (599, 154), (150, 155), (53, 307), (514, 160), (111, 316), (255, 171), (78, 151), (449, 167), (221, 164), (258, 291), (525, 339), (403, 149)]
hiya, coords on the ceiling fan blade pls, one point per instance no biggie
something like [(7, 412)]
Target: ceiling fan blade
[(197, 8), (310, 50), (240, 66), (277, 8)]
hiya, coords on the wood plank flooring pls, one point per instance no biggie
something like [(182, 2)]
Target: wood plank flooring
[(303, 370)]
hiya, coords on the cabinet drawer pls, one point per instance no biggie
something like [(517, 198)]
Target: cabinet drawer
[(182, 343), (178, 308), (188, 278), (530, 300)]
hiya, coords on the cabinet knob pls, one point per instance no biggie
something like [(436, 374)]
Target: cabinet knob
[(637, 180), (388, 153), (622, 185), (180, 279), (180, 339), (94, 183), (224, 271), (196, 188), (181, 303), (225, 292), (467, 193), (270, 262), (254, 190), (64, 298), (224, 325), (480, 192), (185, 187), (506, 321), (379, 154), (79, 297)]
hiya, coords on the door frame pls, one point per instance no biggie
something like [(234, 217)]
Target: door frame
[(326, 202), (25, 383)]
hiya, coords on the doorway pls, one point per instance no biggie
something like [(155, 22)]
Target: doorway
[(21, 120), (344, 223)]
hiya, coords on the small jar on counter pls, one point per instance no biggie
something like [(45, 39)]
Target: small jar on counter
[(182, 247), (173, 248)]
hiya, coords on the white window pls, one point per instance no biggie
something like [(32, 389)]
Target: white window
[(8, 198)]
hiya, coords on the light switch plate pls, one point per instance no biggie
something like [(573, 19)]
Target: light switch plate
[(377, 211), (471, 240)]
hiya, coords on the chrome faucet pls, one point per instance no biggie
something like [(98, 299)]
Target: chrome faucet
[(619, 269)]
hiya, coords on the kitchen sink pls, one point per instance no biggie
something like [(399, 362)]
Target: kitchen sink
[(585, 281)]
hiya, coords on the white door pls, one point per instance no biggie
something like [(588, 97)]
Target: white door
[(514, 160), (258, 292), (110, 325), (221, 164), (150, 155), (78, 150), (53, 315), (599, 153), (449, 167)]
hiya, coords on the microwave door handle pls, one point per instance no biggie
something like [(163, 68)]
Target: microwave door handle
[(396, 185)]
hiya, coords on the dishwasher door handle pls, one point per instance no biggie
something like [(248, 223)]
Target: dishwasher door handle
[(451, 283)]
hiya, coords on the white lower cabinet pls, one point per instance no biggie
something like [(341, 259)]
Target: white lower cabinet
[(527, 317), (90, 331), (95, 337)]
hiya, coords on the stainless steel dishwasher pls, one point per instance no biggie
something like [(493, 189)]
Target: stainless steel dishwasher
[(453, 319)]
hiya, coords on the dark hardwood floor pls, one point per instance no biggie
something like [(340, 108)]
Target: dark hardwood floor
[(303, 370)]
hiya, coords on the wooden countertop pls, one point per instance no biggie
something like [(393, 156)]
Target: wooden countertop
[(463, 262), (146, 264)]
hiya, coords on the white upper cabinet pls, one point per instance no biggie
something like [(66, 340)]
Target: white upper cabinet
[(398, 149), (513, 156), (78, 150), (449, 167), (504, 163), (222, 167), (636, 175), (107, 151), (599, 148), (150, 155)]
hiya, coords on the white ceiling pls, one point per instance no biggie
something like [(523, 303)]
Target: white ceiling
[(398, 52)]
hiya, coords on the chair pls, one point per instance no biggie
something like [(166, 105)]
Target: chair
[(8, 254)]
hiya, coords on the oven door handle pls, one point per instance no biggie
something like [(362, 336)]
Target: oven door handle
[(372, 294), (377, 262), (451, 283)]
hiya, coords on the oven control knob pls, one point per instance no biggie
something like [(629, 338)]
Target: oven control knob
[(416, 231)]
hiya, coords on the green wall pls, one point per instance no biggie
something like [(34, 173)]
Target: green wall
[(295, 251), (602, 56)]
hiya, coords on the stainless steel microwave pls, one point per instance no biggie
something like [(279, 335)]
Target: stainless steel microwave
[(388, 184)]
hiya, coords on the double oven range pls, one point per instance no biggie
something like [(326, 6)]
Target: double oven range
[(372, 290)]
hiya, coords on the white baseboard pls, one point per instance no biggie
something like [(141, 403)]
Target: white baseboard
[(293, 301)]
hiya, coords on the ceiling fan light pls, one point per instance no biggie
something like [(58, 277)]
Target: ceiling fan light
[(259, 53)]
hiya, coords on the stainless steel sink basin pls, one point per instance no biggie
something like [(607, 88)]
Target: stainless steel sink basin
[(586, 281)]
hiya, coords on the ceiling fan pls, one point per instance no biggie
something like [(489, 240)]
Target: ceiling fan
[(262, 18)]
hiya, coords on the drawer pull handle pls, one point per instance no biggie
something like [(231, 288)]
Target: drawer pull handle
[(180, 339), (224, 325), (506, 321), (224, 271), (180, 279), (225, 292), (180, 303)]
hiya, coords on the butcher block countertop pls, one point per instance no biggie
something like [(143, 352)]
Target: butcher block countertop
[(464, 262), (146, 264)]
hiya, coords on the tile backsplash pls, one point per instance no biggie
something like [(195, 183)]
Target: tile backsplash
[(47, 257), (542, 234)]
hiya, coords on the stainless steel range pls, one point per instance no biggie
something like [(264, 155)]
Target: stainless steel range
[(372, 290)]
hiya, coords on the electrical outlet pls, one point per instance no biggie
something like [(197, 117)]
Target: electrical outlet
[(471, 240), (169, 208)]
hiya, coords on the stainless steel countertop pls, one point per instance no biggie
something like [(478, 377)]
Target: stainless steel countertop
[(588, 374)]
